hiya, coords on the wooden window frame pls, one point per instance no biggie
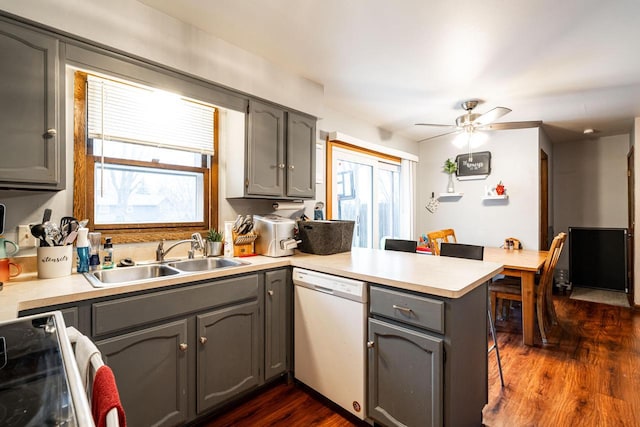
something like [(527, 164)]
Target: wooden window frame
[(83, 187)]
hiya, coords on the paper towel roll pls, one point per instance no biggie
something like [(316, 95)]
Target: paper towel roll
[(291, 206)]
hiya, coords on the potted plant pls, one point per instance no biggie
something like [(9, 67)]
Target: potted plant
[(450, 167), (214, 243)]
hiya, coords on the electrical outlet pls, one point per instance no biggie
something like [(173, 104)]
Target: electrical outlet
[(25, 239)]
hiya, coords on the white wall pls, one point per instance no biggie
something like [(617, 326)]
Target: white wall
[(134, 28), (514, 161), (590, 185)]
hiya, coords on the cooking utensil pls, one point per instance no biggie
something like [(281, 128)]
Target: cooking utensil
[(66, 224), (46, 216), (38, 231), (53, 233)]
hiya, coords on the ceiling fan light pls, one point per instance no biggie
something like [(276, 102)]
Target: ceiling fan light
[(460, 140)]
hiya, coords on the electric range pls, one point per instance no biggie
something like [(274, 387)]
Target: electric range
[(39, 380)]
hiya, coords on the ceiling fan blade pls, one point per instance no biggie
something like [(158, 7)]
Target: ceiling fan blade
[(511, 125), (439, 135), (433, 124), (491, 116)]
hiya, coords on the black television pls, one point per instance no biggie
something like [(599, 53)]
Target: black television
[(598, 258)]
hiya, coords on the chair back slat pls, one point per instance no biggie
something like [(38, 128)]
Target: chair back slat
[(460, 250), (400, 245)]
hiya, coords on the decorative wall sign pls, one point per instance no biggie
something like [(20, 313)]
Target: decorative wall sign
[(478, 168)]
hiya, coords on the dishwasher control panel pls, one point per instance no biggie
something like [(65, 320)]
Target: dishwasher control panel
[(335, 285)]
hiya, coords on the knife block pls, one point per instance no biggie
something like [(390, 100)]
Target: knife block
[(244, 244)]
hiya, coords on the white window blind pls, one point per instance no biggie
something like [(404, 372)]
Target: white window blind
[(129, 113)]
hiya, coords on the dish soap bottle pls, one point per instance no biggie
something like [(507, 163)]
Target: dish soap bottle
[(82, 247), (107, 260)]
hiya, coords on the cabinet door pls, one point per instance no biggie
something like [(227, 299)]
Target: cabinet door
[(265, 150), (277, 325), (29, 82), (405, 376), (150, 367), (228, 355), (301, 156)]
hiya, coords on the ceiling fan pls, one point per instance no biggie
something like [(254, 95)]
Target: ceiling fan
[(471, 122)]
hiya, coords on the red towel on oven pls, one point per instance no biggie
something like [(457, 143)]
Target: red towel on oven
[(105, 397)]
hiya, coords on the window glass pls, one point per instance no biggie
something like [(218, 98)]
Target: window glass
[(365, 188), (146, 195)]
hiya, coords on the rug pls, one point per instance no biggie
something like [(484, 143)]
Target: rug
[(600, 296)]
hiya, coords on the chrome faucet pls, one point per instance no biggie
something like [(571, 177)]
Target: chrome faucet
[(197, 244)]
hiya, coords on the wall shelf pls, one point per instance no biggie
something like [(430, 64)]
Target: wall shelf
[(502, 197), (449, 195)]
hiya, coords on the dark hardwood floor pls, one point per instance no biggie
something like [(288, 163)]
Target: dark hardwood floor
[(588, 375)]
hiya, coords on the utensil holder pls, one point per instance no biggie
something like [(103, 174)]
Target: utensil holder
[(54, 261)]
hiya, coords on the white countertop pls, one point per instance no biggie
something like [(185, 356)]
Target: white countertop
[(442, 276)]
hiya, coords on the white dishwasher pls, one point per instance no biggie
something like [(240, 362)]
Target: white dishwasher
[(330, 327)]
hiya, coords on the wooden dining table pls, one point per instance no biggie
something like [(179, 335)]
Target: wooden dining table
[(524, 264)]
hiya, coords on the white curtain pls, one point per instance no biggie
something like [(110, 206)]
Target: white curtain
[(408, 197)]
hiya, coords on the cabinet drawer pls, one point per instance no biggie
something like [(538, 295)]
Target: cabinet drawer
[(407, 308), (123, 313)]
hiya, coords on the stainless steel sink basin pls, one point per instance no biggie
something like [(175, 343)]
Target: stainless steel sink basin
[(205, 264), (102, 278)]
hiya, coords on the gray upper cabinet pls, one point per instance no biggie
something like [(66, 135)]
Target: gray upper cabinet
[(279, 157), (31, 82), (265, 150), (301, 154)]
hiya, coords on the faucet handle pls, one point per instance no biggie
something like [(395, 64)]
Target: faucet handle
[(199, 243)]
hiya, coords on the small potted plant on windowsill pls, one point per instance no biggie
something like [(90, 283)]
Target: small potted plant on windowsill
[(450, 167), (214, 243)]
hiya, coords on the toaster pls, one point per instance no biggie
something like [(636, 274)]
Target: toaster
[(276, 235)]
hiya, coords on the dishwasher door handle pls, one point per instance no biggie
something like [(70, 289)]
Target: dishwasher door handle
[(323, 289)]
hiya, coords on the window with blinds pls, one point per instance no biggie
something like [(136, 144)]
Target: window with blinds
[(149, 155)]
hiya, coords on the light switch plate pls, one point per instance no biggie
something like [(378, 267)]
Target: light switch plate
[(25, 239)]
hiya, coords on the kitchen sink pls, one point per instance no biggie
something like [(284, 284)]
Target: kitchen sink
[(142, 273), (102, 278), (205, 264)]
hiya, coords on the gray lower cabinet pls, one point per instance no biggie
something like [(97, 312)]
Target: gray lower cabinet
[(150, 366), (31, 82), (427, 358), (229, 354), (277, 323), (405, 376)]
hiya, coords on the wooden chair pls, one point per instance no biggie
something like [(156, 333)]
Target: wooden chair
[(459, 250), (510, 288), (437, 237), (400, 245)]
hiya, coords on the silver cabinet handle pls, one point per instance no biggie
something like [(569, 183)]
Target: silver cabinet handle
[(203, 340), (370, 344), (403, 309), (50, 133), (281, 166), (292, 167), (183, 347), (270, 292)]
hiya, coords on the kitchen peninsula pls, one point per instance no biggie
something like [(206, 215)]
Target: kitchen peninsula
[(119, 316)]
